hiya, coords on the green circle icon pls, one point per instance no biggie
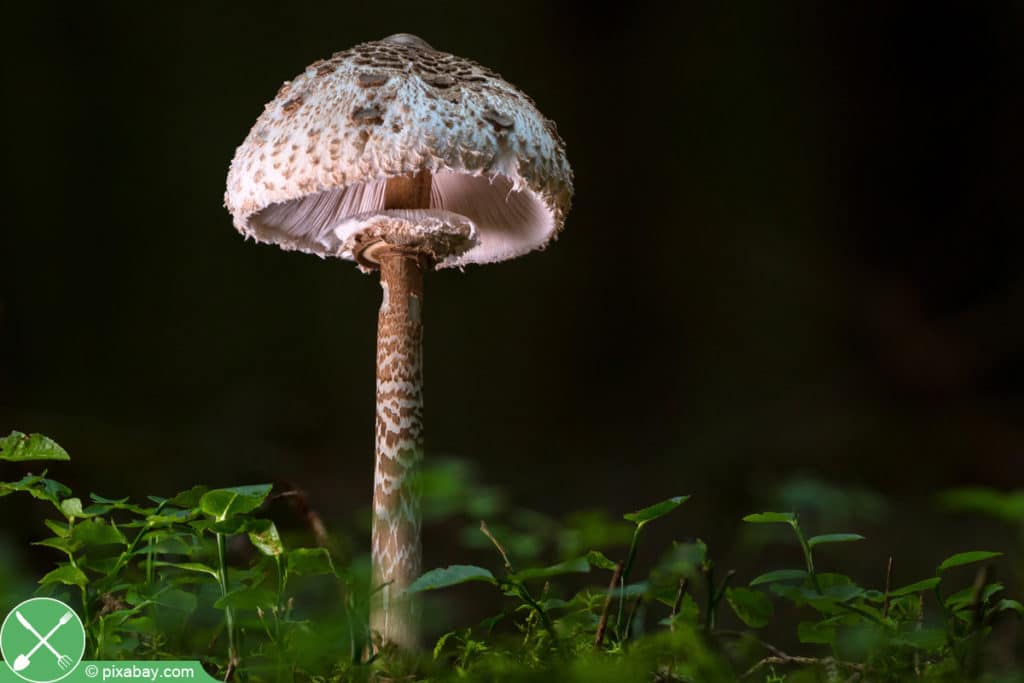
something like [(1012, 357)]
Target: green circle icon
[(42, 640)]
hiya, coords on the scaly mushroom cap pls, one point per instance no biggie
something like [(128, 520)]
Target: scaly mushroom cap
[(311, 174)]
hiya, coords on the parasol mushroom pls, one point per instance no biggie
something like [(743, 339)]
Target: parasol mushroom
[(403, 159)]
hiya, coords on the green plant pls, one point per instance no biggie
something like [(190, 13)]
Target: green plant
[(208, 574), (141, 572)]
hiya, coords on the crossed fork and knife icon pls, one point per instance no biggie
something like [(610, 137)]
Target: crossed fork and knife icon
[(21, 662)]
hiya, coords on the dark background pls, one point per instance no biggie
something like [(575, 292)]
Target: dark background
[(795, 251)]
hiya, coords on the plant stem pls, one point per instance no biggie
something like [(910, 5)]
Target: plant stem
[(677, 603), (602, 624), (625, 574), (808, 554), (501, 549), (708, 569), (229, 615), (149, 562), (87, 618), (544, 618), (629, 620), (632, 551), (888, 587)]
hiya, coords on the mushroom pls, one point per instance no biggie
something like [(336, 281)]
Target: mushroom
[(403, 159)]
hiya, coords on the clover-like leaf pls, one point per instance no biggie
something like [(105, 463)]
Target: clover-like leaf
[(237, 500)]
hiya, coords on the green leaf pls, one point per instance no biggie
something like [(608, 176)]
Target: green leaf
[(836, 587), (230, 526), (1007, 605), (164, 542), (189, 499), (780, 575), (65, 545), (138, 625), (450, 576), (926, 585), (752, 607), (247, 598), (598, 559), (167, 517), (102, 506), (442, 641), (59, 528), (97, 532), (96, 498), (969, 557), (37, 486), (689, 613), (929, 639), (189, 566), (267, 541), (682, 559), (177, 599), (18, 447), (771, 518), (967, 596), (66, 574), (821, 633), (631, 590), (72, 508), (578, 565), (833, 538), (653, 512), (1005, 505), (238, 500), (310, 562)]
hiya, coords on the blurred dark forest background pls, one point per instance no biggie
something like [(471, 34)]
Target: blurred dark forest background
[(795, 254)]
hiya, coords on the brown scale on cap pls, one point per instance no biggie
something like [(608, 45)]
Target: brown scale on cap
[(408, 107)]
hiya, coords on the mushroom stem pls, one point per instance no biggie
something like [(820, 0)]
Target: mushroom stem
[(399, 445)]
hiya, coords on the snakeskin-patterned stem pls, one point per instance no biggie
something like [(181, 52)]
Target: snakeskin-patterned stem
[(399, 446)]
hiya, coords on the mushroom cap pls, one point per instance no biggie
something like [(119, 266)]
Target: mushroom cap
[(311, 175)]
